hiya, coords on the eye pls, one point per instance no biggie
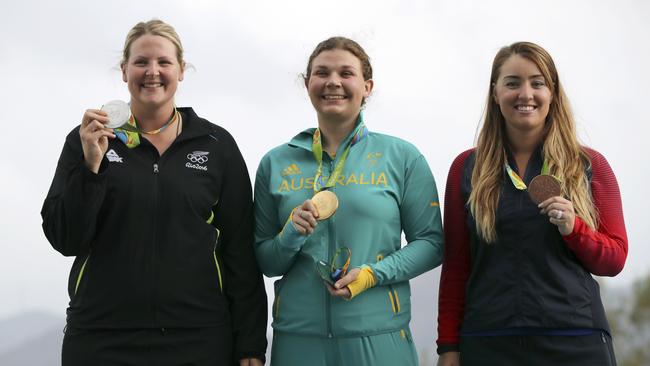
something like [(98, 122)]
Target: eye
[(319, 72), (511, 84), (347, 73), (140, 62), (538, 84)]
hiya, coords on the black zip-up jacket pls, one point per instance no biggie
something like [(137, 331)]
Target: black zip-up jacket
[(146, 256)]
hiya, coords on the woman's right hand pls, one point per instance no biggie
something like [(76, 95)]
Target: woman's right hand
[(449, 359), (304, 217), (94, 137)]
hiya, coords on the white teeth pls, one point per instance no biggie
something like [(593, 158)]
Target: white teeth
[(329, 97), (525, 108), (152, 85)]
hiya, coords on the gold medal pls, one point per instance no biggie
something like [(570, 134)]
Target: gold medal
[(543, 187), (326, 203)]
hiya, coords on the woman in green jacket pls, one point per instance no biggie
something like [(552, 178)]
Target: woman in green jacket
[(383, 186)]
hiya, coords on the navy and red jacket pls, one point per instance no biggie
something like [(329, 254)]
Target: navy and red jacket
[(532, 276), (146, 256)]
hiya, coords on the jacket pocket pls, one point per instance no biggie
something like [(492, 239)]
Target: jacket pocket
[(216, 261), (81, 274), (394, 299), (392, 292), (277, 286)]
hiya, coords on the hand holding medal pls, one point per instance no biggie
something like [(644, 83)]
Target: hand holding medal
[(320, 207), (94, 137), (560, 212)]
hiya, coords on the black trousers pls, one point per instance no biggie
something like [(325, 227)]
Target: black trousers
[(593, 350), (147, 347)]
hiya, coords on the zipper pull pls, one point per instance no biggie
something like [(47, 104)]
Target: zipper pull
[(155, 168)]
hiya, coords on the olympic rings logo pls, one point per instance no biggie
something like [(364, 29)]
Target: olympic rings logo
[(199, 157)]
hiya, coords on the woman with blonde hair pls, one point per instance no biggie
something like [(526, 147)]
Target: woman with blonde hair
[(157, 210), (530, 216)]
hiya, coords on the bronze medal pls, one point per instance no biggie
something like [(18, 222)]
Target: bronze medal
[(326, 203), (543, 187)]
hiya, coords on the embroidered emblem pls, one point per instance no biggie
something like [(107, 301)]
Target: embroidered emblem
[(112, 156)]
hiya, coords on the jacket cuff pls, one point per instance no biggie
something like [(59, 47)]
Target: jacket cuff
[(365, 280), (245, 355), (289, 237), (443, 348)]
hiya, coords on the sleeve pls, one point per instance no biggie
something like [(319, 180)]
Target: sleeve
[(74, 200), (456, 263), (421, 223), (244, 286), (603, 251), (276, 243)]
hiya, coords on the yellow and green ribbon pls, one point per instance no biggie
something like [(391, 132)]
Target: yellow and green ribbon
[(340, 271), (317, 149), (516, 179), (129, 133)]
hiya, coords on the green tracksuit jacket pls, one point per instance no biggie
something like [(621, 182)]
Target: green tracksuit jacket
[(386, 187)]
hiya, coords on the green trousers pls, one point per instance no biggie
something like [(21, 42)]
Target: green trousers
[(388, 349)]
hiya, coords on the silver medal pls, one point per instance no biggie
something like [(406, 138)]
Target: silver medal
[(118, 112)]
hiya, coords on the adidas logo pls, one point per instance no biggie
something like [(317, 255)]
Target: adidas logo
[(290, 170), (374, 156), (112, 156)]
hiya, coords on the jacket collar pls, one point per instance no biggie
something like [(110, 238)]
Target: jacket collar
[(304, 139), (193, 125)]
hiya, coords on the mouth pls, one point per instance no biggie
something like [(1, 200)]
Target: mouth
[(525, 108), (333, 97), (150, 85)]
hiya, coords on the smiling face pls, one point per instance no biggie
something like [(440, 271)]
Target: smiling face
[(523, 95), (336, 85), (152, 72)]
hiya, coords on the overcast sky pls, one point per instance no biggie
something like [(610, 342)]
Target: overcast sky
[(431, 62)]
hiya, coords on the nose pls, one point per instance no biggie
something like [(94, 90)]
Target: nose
[(526, 92), (333, 81), (152, 70)]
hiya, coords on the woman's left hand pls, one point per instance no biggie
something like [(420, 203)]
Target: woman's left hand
[(340, 288), (250, 362), (560, 212)]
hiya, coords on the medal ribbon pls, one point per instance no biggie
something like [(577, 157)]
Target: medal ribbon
[(317, 149), (338, 272), (516, 179), (129, 133)]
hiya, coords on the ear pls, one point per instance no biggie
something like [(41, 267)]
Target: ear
[(123, 68), (369, 84), (182, 75)]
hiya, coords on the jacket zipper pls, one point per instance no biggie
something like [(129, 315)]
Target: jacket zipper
[(330, 254), (154, 271)]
